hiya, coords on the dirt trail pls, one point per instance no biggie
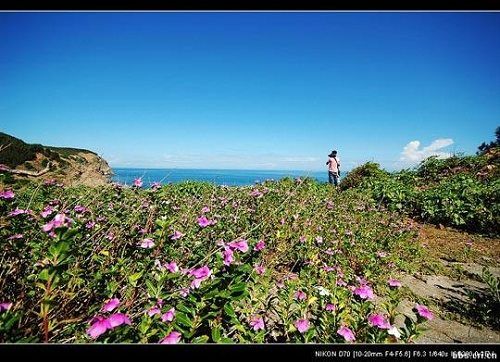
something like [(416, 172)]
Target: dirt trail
[(464, 308)]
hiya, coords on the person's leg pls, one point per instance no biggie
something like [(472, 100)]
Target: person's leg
[(330, 177), (336, 179)]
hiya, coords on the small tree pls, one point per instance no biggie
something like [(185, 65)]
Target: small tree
[(484, 147)]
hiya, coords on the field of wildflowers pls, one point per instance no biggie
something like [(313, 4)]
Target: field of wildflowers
[(281, 261)]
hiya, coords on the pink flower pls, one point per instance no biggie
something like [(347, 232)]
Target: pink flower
[(256, 193), (328, 268), (205, 209), (260, 245), (204, 222), (394, 283), (228, 256), (300, 295), (302, 239), (80, 209), (7, 194), (169, 316), (172, 267), (138, 182), (257, 323), (18, 211), (176, 235), (330, 307), (90, 225), (329, 251), (469, 243), (5, 306), (319, 239), (329, 205), (100, 326), (47, 211), (153, 311), (184, 292), (147, 244), (173, 338), (259, 269), (60, 220), (201, 273), (346, 333), (118, 319), (340, 282), (364, 292), (240, 245), (381, 254), (424, 312), (110, 305), (155, 185), (15, 237), (302, 325), (378, 320)]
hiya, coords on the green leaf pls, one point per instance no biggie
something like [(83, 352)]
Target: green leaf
[(182, 319), (183, 308), (216, 334), (200, 339)]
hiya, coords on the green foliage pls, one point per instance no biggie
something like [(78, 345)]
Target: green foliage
[(365, 172)]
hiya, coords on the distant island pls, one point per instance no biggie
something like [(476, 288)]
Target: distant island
[(71, 166)]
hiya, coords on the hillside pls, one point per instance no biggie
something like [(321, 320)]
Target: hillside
[(70, 166)]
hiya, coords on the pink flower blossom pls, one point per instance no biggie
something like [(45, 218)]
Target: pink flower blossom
[(340, 282), (329, 205), (228, 256), (240, 245), (80, 209), (15, 237), (260, 245), (378, 320), (346, 333), (328, 268), (7, 195), (330, 307), (50, 182), (282, 221), (138, 182), (200, 275), (47, 211), (300, 295), (302, 239), (176, 235), (302, 325), (18, 211), (259, 269), (169, 316), (256, 193), (424, 312), (381, 254), (118, 319), (173, 338), (110, 305), (154, 310), (172, 267), (156, 185), (5, 306), (147, 244), (319, 239), (394, 283), (60, 220), (364, 292), (205, 209), (204, 222), (257, 323), (100, 326), (329, 251), (90, 225), (184, 292)]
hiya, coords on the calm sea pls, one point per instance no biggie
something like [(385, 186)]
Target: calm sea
[(219, 177)]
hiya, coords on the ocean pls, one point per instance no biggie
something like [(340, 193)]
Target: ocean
[(220, 177)]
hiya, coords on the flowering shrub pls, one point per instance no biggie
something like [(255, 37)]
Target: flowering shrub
[(287, 261)]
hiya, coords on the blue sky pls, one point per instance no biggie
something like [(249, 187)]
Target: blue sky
[(252, 90)]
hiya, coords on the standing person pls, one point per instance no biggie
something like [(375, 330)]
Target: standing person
[(333, 168)]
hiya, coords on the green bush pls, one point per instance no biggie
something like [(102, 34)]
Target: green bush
[(367, 171)]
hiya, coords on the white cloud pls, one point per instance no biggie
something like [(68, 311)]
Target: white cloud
[(411, 152)]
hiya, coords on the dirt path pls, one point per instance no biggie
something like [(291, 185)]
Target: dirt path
[(464, 307)]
